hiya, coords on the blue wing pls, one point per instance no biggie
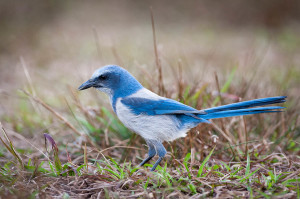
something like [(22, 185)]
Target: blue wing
[(166, 106), (159, 107)]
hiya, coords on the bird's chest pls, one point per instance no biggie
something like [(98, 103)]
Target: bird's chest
[(125, 115), (159, 127)]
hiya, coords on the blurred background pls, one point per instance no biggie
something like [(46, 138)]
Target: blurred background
[(78, 37), (245, 49), (51, 47)]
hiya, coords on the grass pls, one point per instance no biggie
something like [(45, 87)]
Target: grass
[(59, 143), (224, 169)]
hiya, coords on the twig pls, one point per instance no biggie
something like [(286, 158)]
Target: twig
[(180, 81), (157, 60), (246, 136), (85, 158), (127, 147), (291, 175), (52, 111), (30, 83), (10, 147), (27, 76), (222, 132), (218, 87), (39, 101), (97, 42), (221, 100)]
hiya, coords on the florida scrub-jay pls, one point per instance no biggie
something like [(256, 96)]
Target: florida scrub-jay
[(158, 119)]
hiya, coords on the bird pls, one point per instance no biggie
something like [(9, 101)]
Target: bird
[(158, 119)]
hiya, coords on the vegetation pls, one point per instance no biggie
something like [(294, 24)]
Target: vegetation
[(57, 142)]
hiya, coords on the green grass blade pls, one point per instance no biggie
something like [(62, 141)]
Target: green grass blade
[(226, 85), (248, 165), (200, 171), (185, 163)]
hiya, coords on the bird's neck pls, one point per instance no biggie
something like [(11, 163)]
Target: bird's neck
[(129, 87)]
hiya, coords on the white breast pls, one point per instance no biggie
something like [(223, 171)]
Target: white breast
[(158, 127)]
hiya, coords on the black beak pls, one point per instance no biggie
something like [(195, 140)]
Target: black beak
[(88, 84)]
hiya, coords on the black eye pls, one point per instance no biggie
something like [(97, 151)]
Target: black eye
[(103, 77)]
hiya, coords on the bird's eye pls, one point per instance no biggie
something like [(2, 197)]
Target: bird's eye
[(102, 77)]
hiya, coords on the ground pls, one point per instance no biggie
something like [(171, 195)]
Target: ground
[(61, 143)]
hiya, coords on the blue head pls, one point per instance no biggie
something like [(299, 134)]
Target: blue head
[(114, 81)]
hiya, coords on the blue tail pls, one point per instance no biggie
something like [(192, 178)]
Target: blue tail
[(244, 108)]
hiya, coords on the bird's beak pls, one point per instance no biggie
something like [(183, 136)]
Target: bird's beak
[(88, 84)]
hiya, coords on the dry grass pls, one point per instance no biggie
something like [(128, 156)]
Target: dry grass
[(90, 154)]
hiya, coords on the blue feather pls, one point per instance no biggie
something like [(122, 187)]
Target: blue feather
[(247, 104), (158, 107), (239, 112), (171, 107)]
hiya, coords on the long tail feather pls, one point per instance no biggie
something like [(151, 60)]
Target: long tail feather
[(240, 112), (247, 104), (244, 108)]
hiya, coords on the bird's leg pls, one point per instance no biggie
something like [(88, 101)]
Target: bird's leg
[(151, 153), (161, 151)]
